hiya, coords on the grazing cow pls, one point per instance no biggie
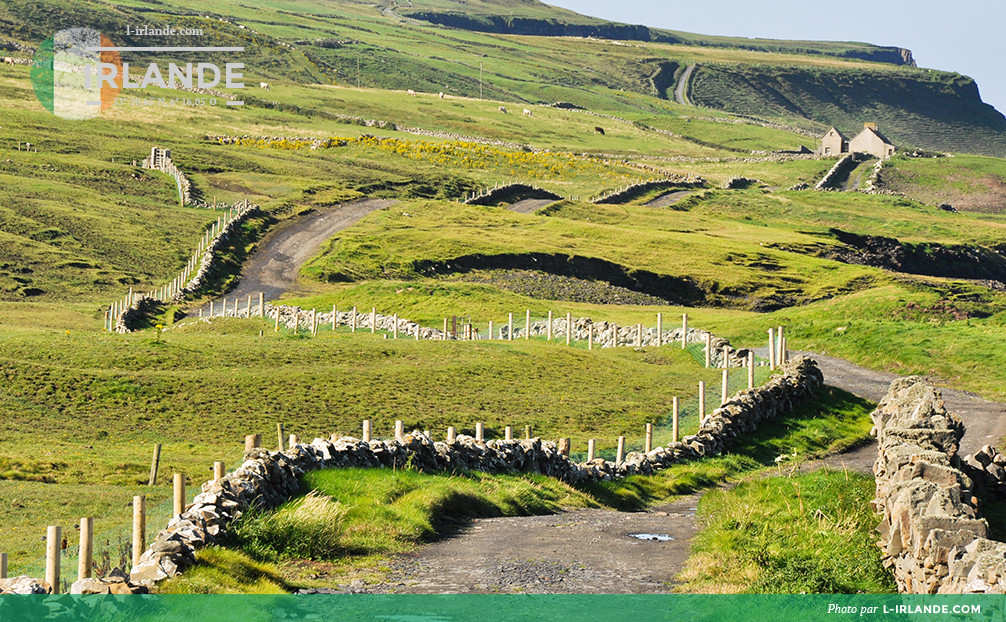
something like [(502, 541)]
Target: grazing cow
[(599, 130), (263, 85), (410, 93), (527, 113), (8, 60), (441, 94), (502, 109)]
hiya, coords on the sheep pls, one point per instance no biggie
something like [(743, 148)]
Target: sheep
[(8, 61), (599, 130), (440, 95), (264, 86), (527, 113), (410, 93), (502, 109)]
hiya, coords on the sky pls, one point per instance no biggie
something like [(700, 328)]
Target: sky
[(965, 36)]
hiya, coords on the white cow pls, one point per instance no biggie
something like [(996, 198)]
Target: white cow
[(410, 93), (502, 109), (527, 113), (263, 85)]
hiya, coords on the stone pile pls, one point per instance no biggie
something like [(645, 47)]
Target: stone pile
[(987, 469), (931, 533), (267, 479)]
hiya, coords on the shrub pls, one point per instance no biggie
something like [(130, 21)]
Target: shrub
[(308, 527)]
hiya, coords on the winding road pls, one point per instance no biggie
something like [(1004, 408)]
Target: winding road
[(584, 551), (274, 267), (679, 90)]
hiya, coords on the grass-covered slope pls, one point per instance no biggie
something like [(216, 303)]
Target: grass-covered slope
[(350, 43), (914, 107)]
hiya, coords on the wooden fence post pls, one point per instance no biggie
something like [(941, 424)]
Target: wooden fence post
[(527, 324), (778, 340), (675, 412), (569, 328), (702, 402), (399, 431), (565, 446), (248, 308), (771, 349), (280, 434), (294, 441), (445, 329), (590, 337), (218, 470), (261, 305), (139, 527), (3, 565), (509, 329), (53, 539), (252, 441), (783, 354), (480, 433), (548, 329), (178, 506), (751, 369), (335, 317), (211, 308), (366, 430), (395, 327), (660, 329), (726, 357), (527, 432), (490, 329), (648, 444), (620, 452), (276, 329), (709, 349), (451, 434), (724, 393), (373, 320), (508, 433), (684, 330), (591, 446), (353, 321), (85, 559), (154, 462)]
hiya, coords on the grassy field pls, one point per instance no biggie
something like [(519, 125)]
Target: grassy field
[(807, 533), (372, 514), (968, 183), (198, 388)]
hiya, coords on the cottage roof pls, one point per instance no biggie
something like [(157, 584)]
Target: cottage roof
[(877, 134)]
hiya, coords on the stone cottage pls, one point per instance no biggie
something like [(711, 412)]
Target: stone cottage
[(870, 141)]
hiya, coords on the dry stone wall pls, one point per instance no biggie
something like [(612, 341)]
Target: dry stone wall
[(931, 533), (267, 478), (509, 192)]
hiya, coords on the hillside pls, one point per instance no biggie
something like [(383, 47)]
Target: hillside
[(512, 52), (679, 183)]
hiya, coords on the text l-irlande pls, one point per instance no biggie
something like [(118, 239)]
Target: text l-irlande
[(178, 76)]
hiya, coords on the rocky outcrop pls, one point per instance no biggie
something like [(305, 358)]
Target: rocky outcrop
[(931, 533), (266, 478)]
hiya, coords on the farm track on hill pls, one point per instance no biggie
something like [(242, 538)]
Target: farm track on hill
[(274, 267), (584, 551)]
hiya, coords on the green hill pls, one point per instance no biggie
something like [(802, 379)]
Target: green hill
[(512, 51)]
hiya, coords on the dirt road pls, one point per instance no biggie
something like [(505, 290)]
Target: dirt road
[(274, 267)]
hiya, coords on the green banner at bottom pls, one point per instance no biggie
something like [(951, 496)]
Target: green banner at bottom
[(509, 607)]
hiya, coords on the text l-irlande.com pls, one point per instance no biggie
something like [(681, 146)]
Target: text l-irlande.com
[(203, 76)]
